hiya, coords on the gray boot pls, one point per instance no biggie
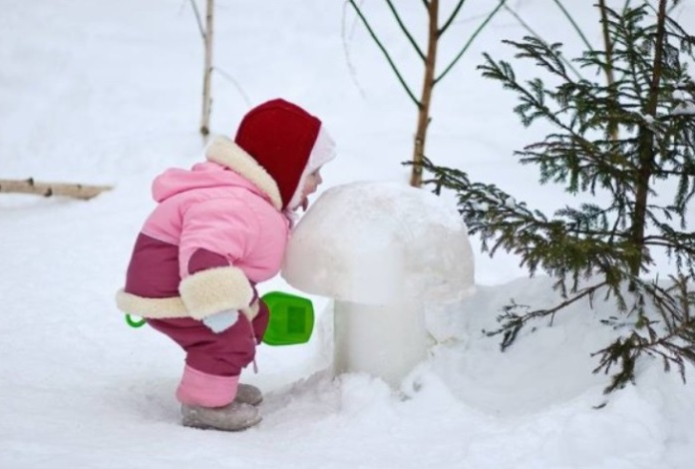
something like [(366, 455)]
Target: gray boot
[(231, 418), (248, 394)]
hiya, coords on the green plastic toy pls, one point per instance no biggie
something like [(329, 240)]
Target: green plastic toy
[(134, 323), (291, 319)]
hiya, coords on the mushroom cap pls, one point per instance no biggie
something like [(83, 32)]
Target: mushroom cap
[(381, 243)]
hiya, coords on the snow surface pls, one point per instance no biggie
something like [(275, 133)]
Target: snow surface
[(108, 92)]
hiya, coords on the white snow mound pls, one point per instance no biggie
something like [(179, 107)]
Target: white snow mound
[(381, 242)]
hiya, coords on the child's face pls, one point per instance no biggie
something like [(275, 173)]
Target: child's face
[(311, 183)]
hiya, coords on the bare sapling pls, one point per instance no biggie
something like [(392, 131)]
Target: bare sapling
[(207, 74), (206, 32), (429, 60)]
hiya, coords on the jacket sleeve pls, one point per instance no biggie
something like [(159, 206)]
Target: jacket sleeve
[(216, 235)]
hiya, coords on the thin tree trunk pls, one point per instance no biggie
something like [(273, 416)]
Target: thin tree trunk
[(647, 140), (48, 189), (207, 76), (610, 73), (423, 119)]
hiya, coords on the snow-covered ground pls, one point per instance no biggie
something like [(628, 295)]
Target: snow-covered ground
[(108, 92)]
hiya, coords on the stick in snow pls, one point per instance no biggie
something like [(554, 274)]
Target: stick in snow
[(48, 189)]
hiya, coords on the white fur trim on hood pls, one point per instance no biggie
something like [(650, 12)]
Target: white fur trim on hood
[(227, 153), (322, 152)]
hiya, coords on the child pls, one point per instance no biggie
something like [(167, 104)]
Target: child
[(218, 229)]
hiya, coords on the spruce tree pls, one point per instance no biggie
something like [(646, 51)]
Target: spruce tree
[(622, 137)]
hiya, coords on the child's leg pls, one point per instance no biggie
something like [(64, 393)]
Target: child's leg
[(213, 361)]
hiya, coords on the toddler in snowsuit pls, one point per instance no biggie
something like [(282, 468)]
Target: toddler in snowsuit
[(218, 229)]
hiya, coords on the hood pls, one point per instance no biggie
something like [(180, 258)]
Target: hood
[(280, 136)]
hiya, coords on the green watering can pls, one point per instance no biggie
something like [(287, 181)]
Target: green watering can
[(291, 319)]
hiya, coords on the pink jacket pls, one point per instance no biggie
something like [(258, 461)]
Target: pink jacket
[(217, 230)]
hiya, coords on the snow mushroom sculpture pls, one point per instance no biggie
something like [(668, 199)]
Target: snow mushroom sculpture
[(381, 251)]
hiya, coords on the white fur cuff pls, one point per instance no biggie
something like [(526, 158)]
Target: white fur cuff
[(214, 290), (155, 308)]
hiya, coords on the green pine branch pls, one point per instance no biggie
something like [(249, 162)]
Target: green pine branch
[(618, 136)]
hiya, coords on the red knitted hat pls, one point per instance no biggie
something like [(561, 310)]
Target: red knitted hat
[(280, 136)]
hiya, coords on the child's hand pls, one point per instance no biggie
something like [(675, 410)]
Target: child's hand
[(220, 322)]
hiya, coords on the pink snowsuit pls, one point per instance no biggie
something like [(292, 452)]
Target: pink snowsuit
[(218, 229)]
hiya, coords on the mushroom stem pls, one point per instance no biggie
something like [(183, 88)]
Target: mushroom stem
[(386, 341)]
